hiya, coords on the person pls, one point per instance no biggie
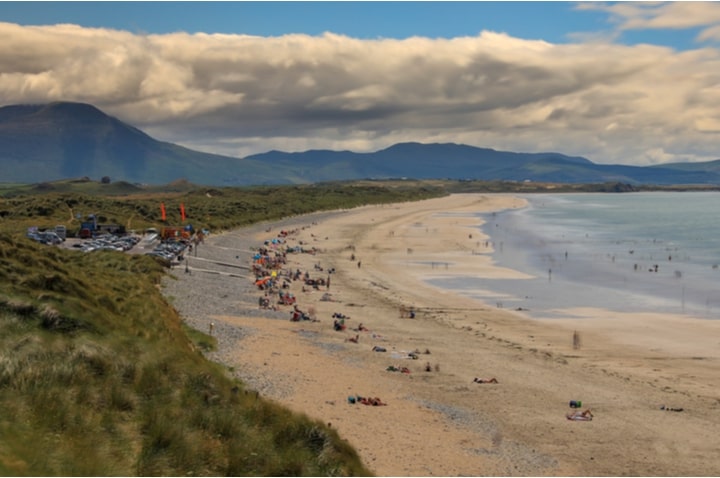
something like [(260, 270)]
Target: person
[(585, 415), (485, 380), (372, 401), (354, 339)]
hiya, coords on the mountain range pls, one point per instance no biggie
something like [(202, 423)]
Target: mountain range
[(61, 140)]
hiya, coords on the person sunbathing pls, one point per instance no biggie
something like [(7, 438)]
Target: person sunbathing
[(585, 415), (485, 380), (354, 339), (376, 402)]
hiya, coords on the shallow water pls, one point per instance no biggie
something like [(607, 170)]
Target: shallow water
[(601, 250)]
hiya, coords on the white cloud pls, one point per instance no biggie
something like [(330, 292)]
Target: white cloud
[(662, 15), (239, 94), (659, 15)]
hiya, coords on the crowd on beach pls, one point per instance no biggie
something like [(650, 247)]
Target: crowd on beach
[(278, 285)]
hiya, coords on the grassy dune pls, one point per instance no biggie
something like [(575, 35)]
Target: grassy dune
[(98, 375)]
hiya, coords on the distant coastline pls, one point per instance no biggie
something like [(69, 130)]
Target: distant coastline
[(596, 267)]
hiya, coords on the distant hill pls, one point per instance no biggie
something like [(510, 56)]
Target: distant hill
[(65, 140), (462, 162), (68, 140)]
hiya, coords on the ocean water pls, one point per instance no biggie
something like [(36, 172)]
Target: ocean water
[(634, 252)]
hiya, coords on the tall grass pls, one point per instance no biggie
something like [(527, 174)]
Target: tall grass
[(99, 377)]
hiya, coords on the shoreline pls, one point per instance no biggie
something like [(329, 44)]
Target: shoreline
[(440, 422), (589, 266)]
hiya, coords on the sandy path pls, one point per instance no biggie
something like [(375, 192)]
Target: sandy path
[(440, 422)]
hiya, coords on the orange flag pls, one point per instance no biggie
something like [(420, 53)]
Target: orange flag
[(182, 211), (162, 211)]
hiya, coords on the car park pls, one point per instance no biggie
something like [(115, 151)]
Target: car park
[(171, 251), (45, 237)]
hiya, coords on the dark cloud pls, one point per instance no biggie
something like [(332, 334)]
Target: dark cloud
[(238, 94)]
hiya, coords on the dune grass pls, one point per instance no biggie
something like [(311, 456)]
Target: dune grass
[(99, 377)]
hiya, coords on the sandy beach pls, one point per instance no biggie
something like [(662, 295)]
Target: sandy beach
[(438, 421)]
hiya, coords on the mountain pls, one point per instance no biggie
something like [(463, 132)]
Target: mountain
[(463, 162), (67, 140), (64, 140)]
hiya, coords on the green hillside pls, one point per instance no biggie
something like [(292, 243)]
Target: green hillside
[(98, 374), (98, 377)]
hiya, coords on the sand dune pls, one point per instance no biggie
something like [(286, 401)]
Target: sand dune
[(440, 422)]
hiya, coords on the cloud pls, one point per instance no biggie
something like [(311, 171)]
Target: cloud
[(662, 16), (240, 94), (659, 15)]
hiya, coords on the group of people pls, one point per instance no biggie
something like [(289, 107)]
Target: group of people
[(268, 265)]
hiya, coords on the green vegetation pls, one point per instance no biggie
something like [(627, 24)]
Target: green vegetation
[(98, 375), (211, 208)]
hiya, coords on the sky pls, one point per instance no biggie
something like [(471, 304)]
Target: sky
[(634, 83)]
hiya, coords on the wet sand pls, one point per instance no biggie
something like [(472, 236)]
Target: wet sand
[(440, 422)]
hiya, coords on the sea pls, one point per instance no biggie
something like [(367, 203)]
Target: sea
[(626, 252)]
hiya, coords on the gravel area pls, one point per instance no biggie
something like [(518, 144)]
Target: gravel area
[(215, 280), (525, 461)]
